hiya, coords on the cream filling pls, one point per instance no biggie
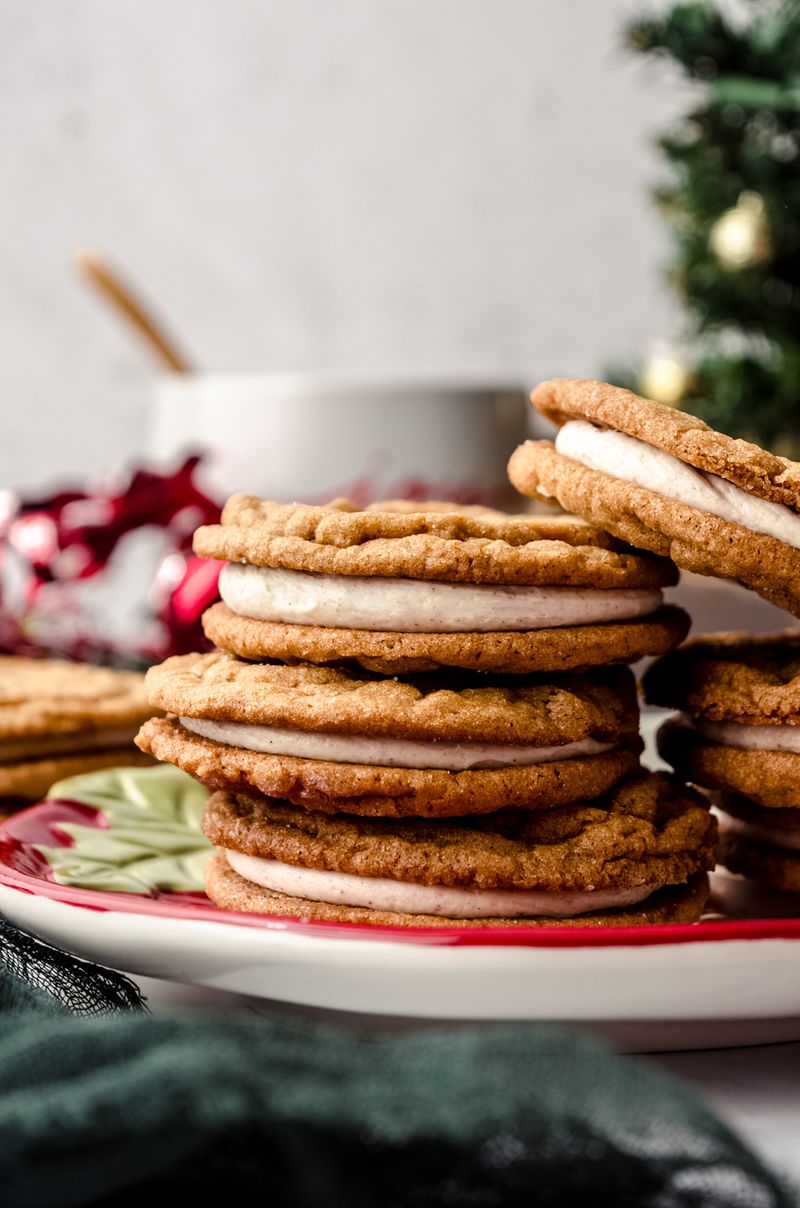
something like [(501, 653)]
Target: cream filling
[(380, 893), (634, 461), (750, 738), (761, 832), (44, 745), (385, 752), (296, 597)]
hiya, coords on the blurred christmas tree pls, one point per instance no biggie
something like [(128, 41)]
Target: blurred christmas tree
[(733, 203)]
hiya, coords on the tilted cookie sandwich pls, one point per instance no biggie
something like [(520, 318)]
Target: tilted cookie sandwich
[(438, 745), (397, 590), (666, 482), (60, 719), (638, 855), (739, 736)]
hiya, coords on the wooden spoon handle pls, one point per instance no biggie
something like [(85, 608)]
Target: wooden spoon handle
[(94, 267)]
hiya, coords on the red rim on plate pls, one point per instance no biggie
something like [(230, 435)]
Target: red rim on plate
[(23, 868)]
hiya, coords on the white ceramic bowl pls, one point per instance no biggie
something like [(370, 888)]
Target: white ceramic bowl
[(313, 437)]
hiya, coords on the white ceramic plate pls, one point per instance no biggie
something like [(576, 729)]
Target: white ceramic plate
[(719, 982)]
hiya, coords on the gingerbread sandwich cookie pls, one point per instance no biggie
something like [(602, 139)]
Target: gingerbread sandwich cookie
[(739, 723), (446, 744), (638, 855), (396, 590), (666, 482), (738, 735), (60, 719)]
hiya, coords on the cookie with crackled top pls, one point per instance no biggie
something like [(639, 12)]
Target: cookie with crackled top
[(538, 710), (40, 697), (731, 677), (649, 838), (450, 545), (719, 506), (738, 736), (399, 588), (739, 697), (340, 740), (771, 778), (59, 719)]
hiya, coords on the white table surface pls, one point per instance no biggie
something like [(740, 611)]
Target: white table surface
[(755, 1090)]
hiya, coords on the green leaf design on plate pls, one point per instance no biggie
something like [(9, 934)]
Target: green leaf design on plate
[(153, 840)]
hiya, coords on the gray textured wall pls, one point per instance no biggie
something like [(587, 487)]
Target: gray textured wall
[(430, 184)]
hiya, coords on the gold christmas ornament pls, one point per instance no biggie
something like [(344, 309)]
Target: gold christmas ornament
[(664, 378), (741, 238)]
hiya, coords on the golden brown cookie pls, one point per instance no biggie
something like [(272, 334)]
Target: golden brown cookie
[(770, 778), (541, 711), (59, 718), (740, 695), (388, 791), (397, 588), (234, 713), (647, 829), (694, 539), (31, 779), (731, 677), (684, 436), (228, 890), (448, 546), (572, 648), (49, 696)]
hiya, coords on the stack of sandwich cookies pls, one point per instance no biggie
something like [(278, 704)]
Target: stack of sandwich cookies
[(666, 482), (60, 719), (738, 736), (638, 855), (446, 744), (397, 590), (414, 719)]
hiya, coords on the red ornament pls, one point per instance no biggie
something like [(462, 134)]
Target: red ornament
[(107, 576)]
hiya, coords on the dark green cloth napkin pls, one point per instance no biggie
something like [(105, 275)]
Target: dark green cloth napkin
[(109, 1108)]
